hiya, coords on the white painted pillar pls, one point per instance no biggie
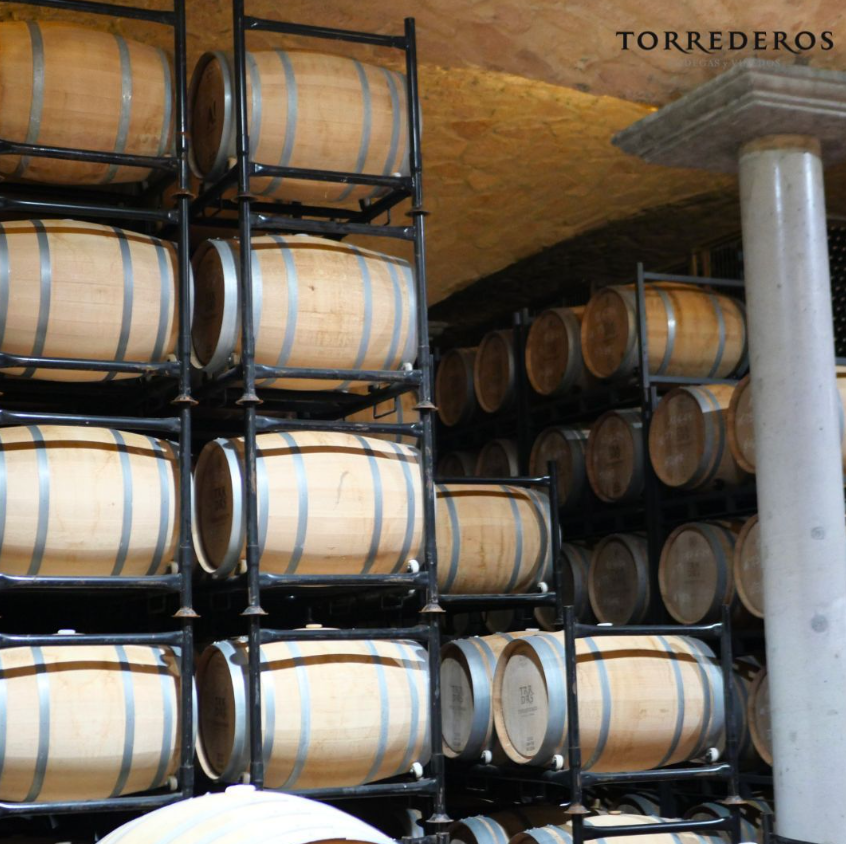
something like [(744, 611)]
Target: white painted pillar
[(800, 479)]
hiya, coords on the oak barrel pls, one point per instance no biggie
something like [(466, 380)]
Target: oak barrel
[(688, 440), (306, 110), (400, 410), (454, 393), (562, 834), (639, 804), (748, 575), (86, 501), (457, 464), (333, 713), (644, 701), (467, 670), (69, 86), (614, 456), (712, 811), (491, 538), (500, 827), (70, 289), (695, 572), (689, 332), (494, 371), (758, 715), (498, 459), (618, 579), (316, 303), (565, 445), (258, 817), (87, 722), (328, 503), (575, 564), (554, 362)]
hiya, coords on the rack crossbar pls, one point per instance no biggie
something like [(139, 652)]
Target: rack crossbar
[(393, 376), (272, 221), (701, 631), (73, 154), (169, 424), (591, 832), (143, 803), (697, 772), (367, 581), (86, 365), (37, 640), (116, 11), (266, 425), (325, 32), (694, 279), (419, 632), (85, 209), (495, 600), (388, 789), (394, 182), (38, 582), (526, 481)]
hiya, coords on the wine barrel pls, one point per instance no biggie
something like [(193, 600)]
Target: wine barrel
[(498, 459), (69, 86), (689, 332), (316, 303), (457, 464), (78, 501), (644, 701), (500, 827), (688, 440), (454, 393), (494, 371), (307, 110), (639, 804), (251, 816), (741, 430), (618, 579), (758, 715), (562, 834), (713, 811), (491, 538), (554, 363), (748, 576), (575, 564), (86, 722), (615, 456), (333, 713), (328, 503), (59, 279), (565, 445), (400, 410), (695, 572), (467, 669)]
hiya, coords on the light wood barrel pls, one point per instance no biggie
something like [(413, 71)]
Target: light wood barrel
[(575, 566), (618, 579), (316, 303), (562, 834), (494, 371), (86, 501), (248, 815), (695, 572), (454, 393), (81, 290), (554, 362), (315, 736), (86, 722), (491, 538), (639, 804), (400, 409), (328, 504), (564, 444), (69, 86), (500, 827), (614, 456), (713, 811), (644, 701), (688, 441), (748, 575), (498, 459), (307, 110), (457, 464), (758, 715), (740, 421), (689, 332), (467, 669)]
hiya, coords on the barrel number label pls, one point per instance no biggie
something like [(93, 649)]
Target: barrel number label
[(527, 696)]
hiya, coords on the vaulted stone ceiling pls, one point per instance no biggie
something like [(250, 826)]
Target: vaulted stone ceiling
[(521, 98)]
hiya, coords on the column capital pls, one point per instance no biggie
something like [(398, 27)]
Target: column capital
[(706, 128)]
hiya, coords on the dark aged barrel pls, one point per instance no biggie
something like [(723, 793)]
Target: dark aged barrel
[(565, 445), (334, 713), (615, 456), (398, 410), (748, 576), (70, 289), (575, 564), (457, 464), (639, 804), (758, 714), (498, 459), (501, 827), (307, 110), (690, 332), (494, 371), (618, 579), (554, 363), (69, 86), (316, 303), (454, 393)]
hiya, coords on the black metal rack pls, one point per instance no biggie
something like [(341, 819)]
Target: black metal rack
[(48, 201), (322, 410)]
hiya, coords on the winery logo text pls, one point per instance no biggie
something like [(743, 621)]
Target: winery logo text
[(720, 43)]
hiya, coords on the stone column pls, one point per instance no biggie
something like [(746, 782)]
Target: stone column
[(777, 125)]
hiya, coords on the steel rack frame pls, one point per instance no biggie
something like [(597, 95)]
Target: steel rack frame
[(51, 202), (323, 408)]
